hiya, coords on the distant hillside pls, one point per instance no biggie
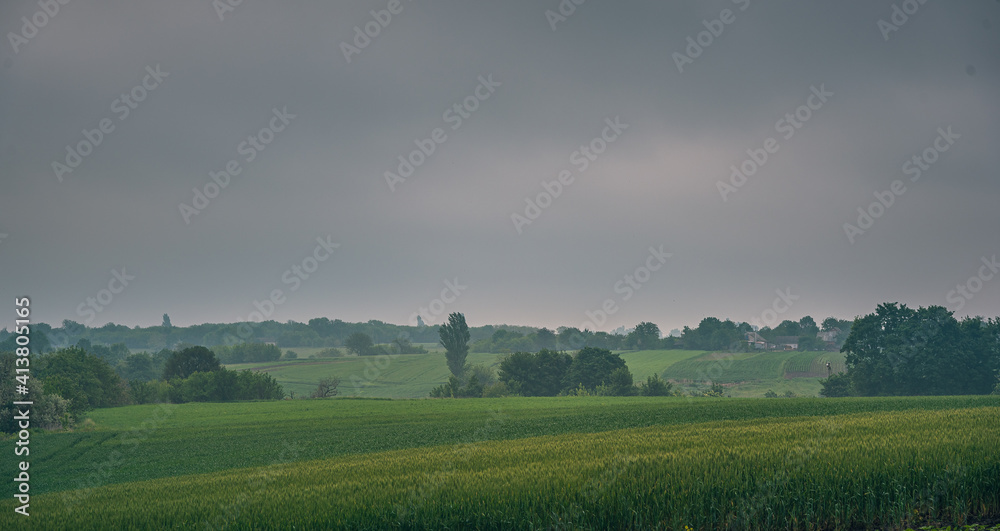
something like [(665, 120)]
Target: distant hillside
[(414, 375)]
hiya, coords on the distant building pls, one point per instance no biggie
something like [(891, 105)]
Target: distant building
[(787, 342), (757, 341)]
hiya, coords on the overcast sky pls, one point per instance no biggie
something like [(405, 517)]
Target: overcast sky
[(537, 87)]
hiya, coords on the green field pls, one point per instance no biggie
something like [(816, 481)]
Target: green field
[(568, 462), (414, 375)]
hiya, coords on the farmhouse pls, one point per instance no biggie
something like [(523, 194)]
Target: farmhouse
[(787, 342), (757, 341)]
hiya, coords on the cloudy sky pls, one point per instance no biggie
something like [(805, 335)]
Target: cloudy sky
[(511, 96)]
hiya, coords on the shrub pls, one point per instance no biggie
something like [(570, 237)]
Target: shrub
[(327, 387), (619, 383), (654, 386), (496, 390), (835, 386)]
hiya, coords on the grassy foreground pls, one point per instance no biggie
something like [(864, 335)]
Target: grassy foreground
[(525, 463)]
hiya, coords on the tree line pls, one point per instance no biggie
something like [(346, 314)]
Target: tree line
[(66, 383), (590, 371)]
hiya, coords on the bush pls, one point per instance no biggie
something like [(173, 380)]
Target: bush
[(222, 386), (86, 380), (496, 390), (654, 386), (484, 374), (579, 390), (619, 383), (836, 385), (404, 346), (328, 353), (454, 389), (291, 355), (142, 392), (770, 394)]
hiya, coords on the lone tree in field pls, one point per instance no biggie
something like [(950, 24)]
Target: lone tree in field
[(360, 344), (327, 387), (455, 340)]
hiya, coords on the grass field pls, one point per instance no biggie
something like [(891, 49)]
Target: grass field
[(414, 375), (569, 462)]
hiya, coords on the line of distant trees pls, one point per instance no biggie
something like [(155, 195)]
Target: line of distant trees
[(66, 383), (901, 351), (711, 334), (590, 371), (320, 332)]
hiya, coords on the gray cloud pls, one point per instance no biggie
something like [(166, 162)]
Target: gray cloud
[(323, 174)]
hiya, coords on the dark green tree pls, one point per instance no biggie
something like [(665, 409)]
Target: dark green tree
[(592, 367), (620, 383), (835, 386), (646, 336), (138, 366), (538, 374), (455, 340), (84, 379), (360, 344), (807, 326), (545, 339), (189, 361)]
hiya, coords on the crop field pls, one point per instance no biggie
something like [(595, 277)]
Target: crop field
[(752, 374), (401, 376), (414, 375), (573, 462)]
